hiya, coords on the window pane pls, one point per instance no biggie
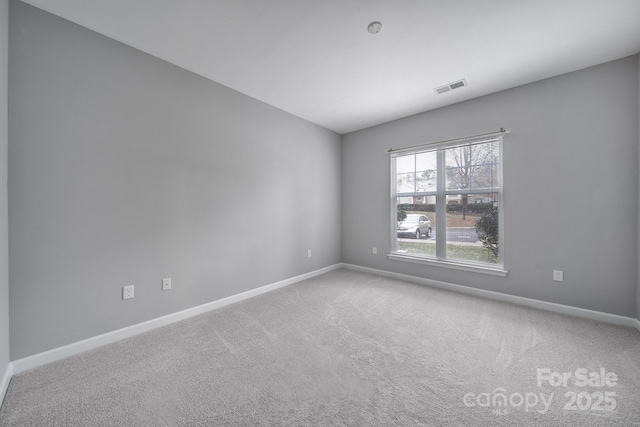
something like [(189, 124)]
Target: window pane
[(472, 227), (472, 166), (457, 178), (405, 200), (416, 219), (485, 176), (426, 166), (406, 163), (405, 183)]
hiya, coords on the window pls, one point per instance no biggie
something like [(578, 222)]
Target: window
[(446, 204)]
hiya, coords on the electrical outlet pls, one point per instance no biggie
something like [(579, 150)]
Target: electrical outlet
[(309, 253), (166, 284), (558, 275), (127, 292), (375, 250)]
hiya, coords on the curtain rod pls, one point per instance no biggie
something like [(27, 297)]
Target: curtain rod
[(502, 131)]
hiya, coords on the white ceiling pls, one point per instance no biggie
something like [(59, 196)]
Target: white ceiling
[(316, 60)]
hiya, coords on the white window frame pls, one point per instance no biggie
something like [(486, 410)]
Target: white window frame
[(441, 194)]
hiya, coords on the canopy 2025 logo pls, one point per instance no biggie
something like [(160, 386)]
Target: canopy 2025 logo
[(599, 399)]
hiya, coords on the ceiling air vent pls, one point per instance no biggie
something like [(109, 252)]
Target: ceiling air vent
[(450, 86)]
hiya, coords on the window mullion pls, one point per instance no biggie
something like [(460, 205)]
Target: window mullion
[(441, 206), (394, 207)]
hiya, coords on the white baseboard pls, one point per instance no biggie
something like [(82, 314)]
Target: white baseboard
[(4, 382), (52, 355), (529, 302)]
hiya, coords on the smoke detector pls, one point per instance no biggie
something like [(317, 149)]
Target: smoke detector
[(451, 86), (375, 27)]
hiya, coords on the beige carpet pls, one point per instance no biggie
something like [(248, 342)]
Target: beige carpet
[(346, 348)]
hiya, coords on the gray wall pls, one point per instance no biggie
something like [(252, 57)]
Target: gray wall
[(125, 169), (4, 270), (638, 261), (570, 187)]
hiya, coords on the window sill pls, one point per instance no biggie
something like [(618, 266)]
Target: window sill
[(495, 271)]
